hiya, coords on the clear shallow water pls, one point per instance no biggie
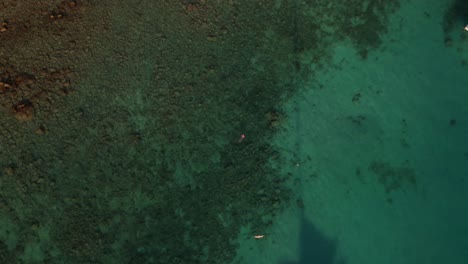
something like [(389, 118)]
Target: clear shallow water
[(383, 176), (157, 131)]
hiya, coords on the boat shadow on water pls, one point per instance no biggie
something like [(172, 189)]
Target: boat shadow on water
[(314, 247)]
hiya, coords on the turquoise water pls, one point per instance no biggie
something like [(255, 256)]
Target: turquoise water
[(242, 131), (383, 176)]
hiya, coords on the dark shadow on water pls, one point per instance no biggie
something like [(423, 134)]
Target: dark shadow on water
[(456, 16), (314, 247)]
